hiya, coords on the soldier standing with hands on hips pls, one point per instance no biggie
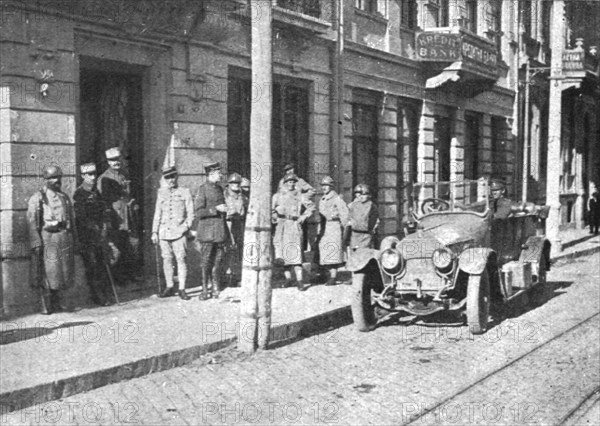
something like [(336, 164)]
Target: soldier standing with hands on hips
[(90, 218), (211, 234), (52, 236), (173, 219)]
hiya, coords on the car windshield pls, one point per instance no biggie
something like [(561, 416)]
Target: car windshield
[(459, 196)]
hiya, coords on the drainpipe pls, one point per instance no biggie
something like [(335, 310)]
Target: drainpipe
[(337, 110), (526, 136)]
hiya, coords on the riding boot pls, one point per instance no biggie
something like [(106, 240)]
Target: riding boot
[(46, 302), (205, 278)]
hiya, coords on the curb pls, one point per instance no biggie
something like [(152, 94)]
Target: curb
[(281, 335), (575, 254)]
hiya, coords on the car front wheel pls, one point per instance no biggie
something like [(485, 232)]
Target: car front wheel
[(363, 310), (478, 302)]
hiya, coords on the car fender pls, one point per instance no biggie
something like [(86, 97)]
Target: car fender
[(535, 247), (474, 260), (360, 258)]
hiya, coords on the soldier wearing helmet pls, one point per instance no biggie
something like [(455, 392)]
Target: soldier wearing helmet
[(52, 237), (363, 219), (237, 205)]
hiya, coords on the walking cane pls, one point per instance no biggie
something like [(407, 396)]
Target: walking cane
[(112, 282), (157, 267)]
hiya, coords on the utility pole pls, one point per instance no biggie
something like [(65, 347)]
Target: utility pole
[(554, 126), (255, 312)]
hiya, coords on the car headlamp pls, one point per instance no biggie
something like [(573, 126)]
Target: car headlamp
[(391, 261), (443, 259)]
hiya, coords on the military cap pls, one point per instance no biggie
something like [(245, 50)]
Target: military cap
[(327, 180), (113, 153), (234, 178), (362, 188), (290, 177), (288, 166), (496, 185), (211, 167), (88, 168), (245, 183), (169, 171), (51, 172)]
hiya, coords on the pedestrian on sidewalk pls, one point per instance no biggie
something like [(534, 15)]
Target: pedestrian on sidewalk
[(211, 233), (91, 222), (363, 219), (52, 236), (290, 210), (173, 219), (594, 213), (237, 205), (115, 188), (334, 214)]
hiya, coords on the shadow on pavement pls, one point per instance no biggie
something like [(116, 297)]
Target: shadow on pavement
[(19, 334)]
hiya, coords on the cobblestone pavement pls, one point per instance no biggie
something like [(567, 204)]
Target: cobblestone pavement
[(533, 367)]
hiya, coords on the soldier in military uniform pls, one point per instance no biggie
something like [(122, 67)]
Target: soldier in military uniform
[(363, 219), (245, 185), (290, 210), (52, 237), (173, 218), (501, 207), (334, 215), (211, 234), (237, 205), (290, 169), (123, 210), (90, 218)]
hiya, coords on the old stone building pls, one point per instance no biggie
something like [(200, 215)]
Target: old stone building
[(387, 92)]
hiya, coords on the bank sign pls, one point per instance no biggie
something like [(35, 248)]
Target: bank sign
[(440, 47)]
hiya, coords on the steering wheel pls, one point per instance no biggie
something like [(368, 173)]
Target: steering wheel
[(431, 205)]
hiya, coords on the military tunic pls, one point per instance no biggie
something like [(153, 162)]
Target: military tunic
[(363, 220), (288, 208), (122, 212), (52, 227), (334, 214), (90, 217), (501, 208)]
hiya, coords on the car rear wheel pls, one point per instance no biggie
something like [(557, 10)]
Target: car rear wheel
[(478, 302), (541, 291), (363, 310)]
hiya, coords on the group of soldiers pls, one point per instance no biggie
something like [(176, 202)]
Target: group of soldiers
[(102, 223)]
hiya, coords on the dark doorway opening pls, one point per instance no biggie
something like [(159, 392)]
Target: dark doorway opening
[(365, 150), (442, 140), (290, 128), (111, 115)]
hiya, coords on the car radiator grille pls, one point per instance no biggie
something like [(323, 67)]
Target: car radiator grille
[(423, 270)]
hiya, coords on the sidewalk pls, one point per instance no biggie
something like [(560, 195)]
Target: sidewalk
[(44, 358)]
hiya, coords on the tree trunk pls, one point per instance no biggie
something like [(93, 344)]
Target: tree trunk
[(255, 313)]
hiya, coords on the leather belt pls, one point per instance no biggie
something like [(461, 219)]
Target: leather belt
[(287, 216), (361, 232)]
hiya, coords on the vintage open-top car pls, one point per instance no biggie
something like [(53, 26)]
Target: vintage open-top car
[(457, 256)]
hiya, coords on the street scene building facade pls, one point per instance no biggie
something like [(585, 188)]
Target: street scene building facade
[(387, 93)]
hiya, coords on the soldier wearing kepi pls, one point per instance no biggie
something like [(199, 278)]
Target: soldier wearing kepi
[(52, 237), (90, 219), (363, 219), (173, 218), (237, 205), (123, 210), (334, 214), (290, 210), (212, 234)]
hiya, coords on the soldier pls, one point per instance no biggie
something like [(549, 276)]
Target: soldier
[(173, 218), (122, 209), (237, 205), (594, 213), (363, 219), (290, 210), (334, 214), (90, 219), (245, 185), (52, 237), (290, 169), (501, 207), (212, 234)]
